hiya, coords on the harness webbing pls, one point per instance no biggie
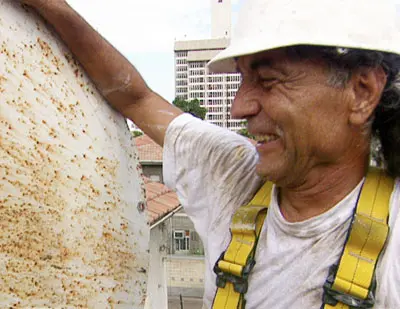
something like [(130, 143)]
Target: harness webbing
[(350, 284), (236, 263)]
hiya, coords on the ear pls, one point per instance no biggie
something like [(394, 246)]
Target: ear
[(368, 85)]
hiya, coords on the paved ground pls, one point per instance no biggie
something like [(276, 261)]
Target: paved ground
[(188, 303)]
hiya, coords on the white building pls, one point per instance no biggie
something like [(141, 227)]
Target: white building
[(192, 78), (221, 15)]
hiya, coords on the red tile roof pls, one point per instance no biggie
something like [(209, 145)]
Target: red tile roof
[(148, 149), (160, 200)]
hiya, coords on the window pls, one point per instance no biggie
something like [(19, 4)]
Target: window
[(181, 76), (181, 69), (196, 72), (214, 102), (231, 93), (194, 80), (196, 95), (181, 83), (233, 86), (181, 54), (196, 87), (182, 240), (183, 97), (201, 65), (215, 87), (155, 178), (215, 79), (233, 78), (181, 89), (181, 61), (217, 94), (214, 117)]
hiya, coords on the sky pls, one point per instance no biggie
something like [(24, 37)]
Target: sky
[(145, 31)]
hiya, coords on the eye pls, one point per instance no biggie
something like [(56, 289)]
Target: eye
[(268, 82)]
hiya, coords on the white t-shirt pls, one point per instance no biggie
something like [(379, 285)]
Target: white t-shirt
[(213, 172)]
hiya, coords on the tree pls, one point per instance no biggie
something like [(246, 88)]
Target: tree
[(192, 107), (137, 133)]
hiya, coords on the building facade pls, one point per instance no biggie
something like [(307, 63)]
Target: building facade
[(193, 79), (221, 15), (176, 250)]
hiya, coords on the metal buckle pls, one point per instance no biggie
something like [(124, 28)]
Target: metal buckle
[(240, 284), (332, 297)]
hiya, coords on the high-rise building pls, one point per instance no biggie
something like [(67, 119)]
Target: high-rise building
[(192, 78), (221, 15)]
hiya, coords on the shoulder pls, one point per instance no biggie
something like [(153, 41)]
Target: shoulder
[(201, 157), (201, 144), (191, 129)]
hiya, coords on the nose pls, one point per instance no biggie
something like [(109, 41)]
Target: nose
[(246, 103)]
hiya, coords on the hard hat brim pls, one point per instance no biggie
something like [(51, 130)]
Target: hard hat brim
[(225, 61), (270, 24)]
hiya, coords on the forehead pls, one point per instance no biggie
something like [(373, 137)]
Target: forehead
[(270, 58), (281, 59)]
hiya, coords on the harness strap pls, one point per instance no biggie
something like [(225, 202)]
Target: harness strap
[(235, 264), (351, 283)]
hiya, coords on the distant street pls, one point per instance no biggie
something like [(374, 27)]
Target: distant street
[(188, 303)]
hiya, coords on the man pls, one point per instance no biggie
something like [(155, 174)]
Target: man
[(319, 79)]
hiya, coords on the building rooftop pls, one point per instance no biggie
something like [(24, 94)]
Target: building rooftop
[(148, 150), (202, 55), (202, 44), (161, 201)]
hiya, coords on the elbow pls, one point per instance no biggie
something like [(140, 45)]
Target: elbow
[(124, 98)]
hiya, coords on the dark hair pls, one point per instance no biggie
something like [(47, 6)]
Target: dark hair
[(386, 120)]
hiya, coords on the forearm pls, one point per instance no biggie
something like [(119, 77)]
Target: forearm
[(113, 74)]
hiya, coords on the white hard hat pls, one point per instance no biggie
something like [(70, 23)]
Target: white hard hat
[(270, 24)]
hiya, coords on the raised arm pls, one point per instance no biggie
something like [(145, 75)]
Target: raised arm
[(115, 77)]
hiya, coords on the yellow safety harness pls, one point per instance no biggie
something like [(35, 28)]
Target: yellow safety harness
[(350, 283)]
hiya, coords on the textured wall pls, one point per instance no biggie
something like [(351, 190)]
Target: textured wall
[(185, 272), (71, 233)]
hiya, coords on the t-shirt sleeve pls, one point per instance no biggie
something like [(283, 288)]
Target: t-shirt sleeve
[(208, 166), (389, 270)]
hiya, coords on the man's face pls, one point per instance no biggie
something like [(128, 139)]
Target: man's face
[(300, 121)]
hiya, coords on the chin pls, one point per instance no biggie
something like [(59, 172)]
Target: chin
[(265, 172), (271, 172)]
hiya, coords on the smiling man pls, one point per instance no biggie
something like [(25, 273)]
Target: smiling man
[(320, 79)]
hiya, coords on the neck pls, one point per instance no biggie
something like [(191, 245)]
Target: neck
[(322, 189)]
